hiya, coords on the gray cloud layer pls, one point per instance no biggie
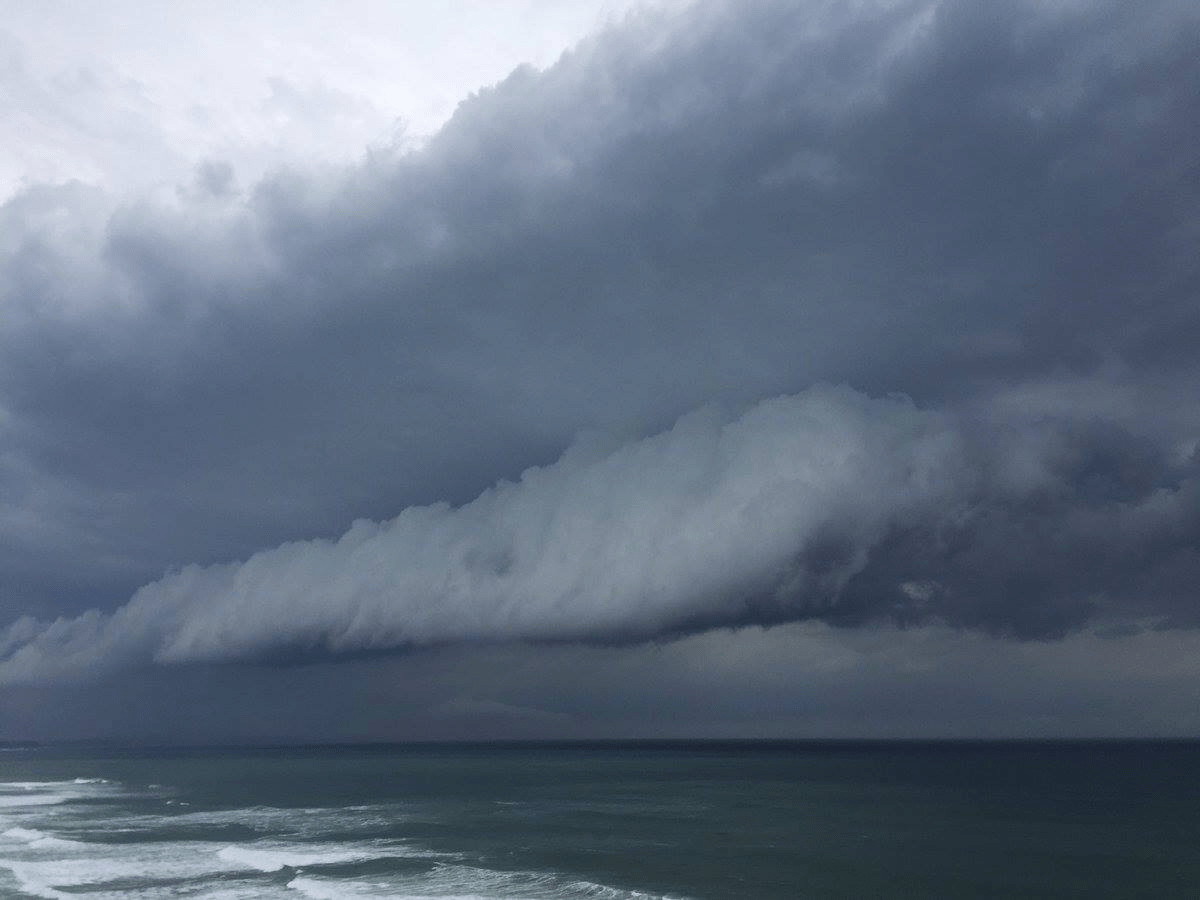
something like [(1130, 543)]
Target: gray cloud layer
[(822, 505), (763, 518), (991, 208)]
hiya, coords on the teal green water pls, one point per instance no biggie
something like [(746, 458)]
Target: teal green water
[(774, 820)]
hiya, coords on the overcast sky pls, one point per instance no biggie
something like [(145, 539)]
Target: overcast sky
[(599, 369)]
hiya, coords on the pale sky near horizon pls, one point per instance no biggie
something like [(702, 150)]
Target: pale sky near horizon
[(518, 369)]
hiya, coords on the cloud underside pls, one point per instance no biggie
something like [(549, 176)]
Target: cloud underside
[(823, 505), (981, 217)]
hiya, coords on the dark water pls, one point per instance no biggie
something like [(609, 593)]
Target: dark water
[(695, 820)]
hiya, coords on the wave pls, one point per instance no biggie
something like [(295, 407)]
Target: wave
[(8, 802), (275, 858), (312, 823), (17, 794), (50, 785), (39, 840), (49, 866), (51, 847), (459, 882)]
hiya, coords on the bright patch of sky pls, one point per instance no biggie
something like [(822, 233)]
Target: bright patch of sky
[(129, 95)]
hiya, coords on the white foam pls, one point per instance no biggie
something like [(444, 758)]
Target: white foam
[(44, 864), (458, 882), (14, 794), (39, 840), (99, 863), (12, 801), (35, 860), (277, 819), (50, 785), (30, 885), (256, 891), (328, 889), (60, 869), (53, 843), (605, 892), (275, 858), (324, 889), (48, 867), (23, 834)]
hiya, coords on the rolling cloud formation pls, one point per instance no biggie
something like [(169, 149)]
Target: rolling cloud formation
[(981, 217), (826, 504)]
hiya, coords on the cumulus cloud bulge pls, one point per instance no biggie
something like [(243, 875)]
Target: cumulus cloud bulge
[(711, 368)]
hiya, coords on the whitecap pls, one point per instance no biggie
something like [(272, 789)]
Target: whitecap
[(14, 794), (39, 840), (325, 889), (278, 857), (23, 834), (54, 843), (50, 785), (13, 801), (30, 885), (68, 872), (459, 882), (270, 821)]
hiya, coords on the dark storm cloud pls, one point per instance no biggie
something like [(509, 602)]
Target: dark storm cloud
[(991, 208), (763, 518), (825, 504)]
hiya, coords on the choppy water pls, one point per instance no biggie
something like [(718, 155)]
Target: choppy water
[(773, 820)]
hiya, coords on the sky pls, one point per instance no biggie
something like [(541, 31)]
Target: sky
[(692, 368)]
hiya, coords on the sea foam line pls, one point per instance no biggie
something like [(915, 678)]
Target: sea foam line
[(277, 858)]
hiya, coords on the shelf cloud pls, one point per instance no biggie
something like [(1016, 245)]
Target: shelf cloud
[(826, 504)]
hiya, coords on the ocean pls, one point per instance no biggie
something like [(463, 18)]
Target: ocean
[(611, 820)]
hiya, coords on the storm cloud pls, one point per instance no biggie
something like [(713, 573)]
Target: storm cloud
[(309, 398), (821, 505)]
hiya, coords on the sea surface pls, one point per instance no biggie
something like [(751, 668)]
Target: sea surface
[(605, 820)]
